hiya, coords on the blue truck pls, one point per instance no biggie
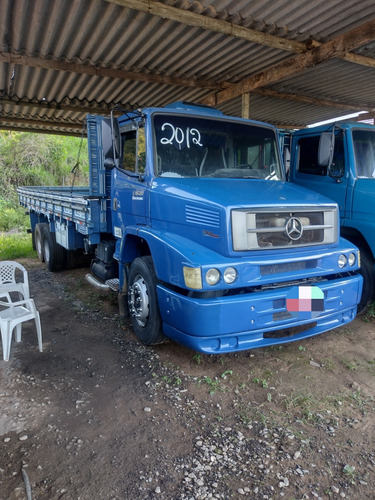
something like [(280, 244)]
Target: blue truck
[(189, 219), (338, 161)]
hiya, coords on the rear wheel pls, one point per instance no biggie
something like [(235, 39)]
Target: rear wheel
[(40, 228), (143, 302), (54, 254)]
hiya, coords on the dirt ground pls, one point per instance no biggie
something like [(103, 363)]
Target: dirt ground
[(97, 415)]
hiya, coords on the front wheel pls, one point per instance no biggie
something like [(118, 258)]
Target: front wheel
[(143, 302), (368, 273)]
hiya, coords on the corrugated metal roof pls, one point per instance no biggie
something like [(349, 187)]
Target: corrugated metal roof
[(60, 59)]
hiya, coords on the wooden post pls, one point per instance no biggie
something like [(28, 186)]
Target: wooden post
[(246, 105)]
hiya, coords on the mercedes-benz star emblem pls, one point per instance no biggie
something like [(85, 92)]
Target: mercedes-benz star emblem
[(294, 228)]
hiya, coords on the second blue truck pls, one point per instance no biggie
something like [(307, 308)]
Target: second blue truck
[(338, 161)]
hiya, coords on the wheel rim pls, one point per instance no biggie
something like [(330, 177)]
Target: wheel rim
[(39, 247), (139, 304), (46, 251)]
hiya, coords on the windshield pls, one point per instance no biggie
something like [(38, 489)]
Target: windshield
[(202, 147), (364, 152)]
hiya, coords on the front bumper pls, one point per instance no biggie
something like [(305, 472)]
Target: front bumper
[(250, 320)]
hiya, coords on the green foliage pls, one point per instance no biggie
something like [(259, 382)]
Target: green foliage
[(14, 246), (12, 217), (350, 473), (370, 312), (33, 160), (28, 159), (198, 359)]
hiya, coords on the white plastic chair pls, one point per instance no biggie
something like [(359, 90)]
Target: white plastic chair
[(14, 312), (14, 278), (12, 315)]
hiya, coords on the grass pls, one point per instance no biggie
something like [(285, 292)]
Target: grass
[(370, 312), (15, 242), (351, 365), (15, 246), (213, 383)]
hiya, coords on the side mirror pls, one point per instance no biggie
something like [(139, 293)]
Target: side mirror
[(107, 141), (111, 141), (326, 148)]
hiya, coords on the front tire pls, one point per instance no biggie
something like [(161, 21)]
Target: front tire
[(143, 302), (368, 273)]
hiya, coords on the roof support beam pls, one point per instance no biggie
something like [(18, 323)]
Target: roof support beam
[(209, 23), (42, 105), (313, 100), (337, 47), (38, 62), (56, 106), (41, 124)]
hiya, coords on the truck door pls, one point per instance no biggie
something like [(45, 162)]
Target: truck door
[(306, 171), (130, 193)]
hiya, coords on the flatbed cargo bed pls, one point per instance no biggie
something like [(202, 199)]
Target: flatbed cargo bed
[(75, 205)]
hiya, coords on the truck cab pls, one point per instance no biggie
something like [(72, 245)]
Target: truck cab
[(210, 239), (338, 160)]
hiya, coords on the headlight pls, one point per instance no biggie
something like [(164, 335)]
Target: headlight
[(342, 260), (351, 259), (212, 276), (193, 277), (230, 274)]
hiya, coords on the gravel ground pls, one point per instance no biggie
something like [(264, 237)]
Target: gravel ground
[(97, 415)]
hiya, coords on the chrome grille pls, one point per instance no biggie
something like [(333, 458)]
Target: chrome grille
[(290, 227)]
